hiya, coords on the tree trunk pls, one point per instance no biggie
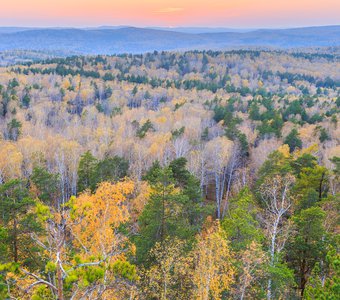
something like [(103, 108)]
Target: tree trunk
[(272, 255), (303, 279), (162, 235), (269, 289), (243, 290), (15, 240), (60, 283), (225, 207), (320, 186), (218, 192)]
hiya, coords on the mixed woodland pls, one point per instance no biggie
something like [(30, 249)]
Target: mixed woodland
[(171, 175)]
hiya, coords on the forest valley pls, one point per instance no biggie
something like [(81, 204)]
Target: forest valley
[(168, 175)]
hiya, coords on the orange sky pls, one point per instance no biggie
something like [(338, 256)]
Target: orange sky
[(229, 13)]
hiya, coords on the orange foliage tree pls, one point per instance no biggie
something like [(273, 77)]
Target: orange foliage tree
[(83, 247)]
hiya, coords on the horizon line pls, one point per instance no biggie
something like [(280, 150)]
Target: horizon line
[(161, 27)]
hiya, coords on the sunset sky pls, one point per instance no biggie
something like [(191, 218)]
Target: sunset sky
[(228, 13)]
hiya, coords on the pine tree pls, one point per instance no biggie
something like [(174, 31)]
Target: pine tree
[(293, 140)]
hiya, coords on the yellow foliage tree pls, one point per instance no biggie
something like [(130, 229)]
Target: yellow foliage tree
[(100, 214), (213, 270), (253, 260), (10, 161), (284, 150), (169, 276), (85, 253)]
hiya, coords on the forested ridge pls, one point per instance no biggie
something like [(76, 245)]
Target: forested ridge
[(127, 39), (171, 175)]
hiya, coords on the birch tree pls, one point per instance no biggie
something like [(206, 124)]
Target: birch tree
[(276, 195), (219, 151)]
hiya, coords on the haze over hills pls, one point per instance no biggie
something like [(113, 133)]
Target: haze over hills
[(195, 30), (203, 29), (120, 39)]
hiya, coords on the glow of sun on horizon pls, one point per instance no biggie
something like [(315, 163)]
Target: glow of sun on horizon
[(236, 13)]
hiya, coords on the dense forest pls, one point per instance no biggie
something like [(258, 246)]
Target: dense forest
[(171, 175)]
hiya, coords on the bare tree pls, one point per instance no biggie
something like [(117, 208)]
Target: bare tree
[(218, 151), (233, 165), (275, 193)]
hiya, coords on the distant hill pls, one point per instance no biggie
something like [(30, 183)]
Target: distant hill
[(14, 29), (197, 30), (120, 39)]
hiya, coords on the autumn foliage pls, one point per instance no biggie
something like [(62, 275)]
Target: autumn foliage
[(173, 175)]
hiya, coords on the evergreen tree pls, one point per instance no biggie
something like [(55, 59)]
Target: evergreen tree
[(26, 100), (91, 171), (323, 135), (111, 169), (240, 223), (14, 129), (47, 185), (16, 223), (305, 160), (87, 172), (173, 210), (308, 245), (324, 283), (312, 179), (293, 140)]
